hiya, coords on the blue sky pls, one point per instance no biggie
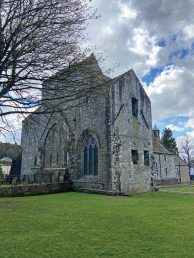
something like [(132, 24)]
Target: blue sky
[(156, 39)]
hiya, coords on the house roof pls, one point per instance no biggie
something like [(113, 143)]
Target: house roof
[(6, 159), (178, 161), (158, 147)]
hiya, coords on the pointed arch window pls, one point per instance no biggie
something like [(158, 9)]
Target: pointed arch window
[(90, 156)]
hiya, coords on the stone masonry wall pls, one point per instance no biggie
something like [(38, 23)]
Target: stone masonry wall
[(107, 116), (166, 167), (92, 119), (35, 189), (130, 133), (184, 175)]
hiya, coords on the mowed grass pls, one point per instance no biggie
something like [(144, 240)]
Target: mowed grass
[(181, 188), (87, 225)]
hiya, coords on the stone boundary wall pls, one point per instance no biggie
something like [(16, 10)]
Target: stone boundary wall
[(35, 189), (167, 182)]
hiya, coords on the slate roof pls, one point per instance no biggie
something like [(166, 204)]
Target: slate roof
[(178, 161), (6, 159), (158, 147)]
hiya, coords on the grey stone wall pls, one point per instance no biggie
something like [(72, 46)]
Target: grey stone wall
[(130, 133), (92, 119), (184, 174), (32, 130), (107, 116), (63, 133), (35, 189), (166, 168)]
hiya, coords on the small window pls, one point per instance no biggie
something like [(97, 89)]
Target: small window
[(165, 157), (135, 158), (121, 83), (87, 99), (166, 171), (134, 107), (146, 158), (65, 158), (35, 161)]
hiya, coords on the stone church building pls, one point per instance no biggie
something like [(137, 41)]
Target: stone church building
[(167, 168), (100, 131)]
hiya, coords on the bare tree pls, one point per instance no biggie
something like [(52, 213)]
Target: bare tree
[(187, 151), (40, 42)]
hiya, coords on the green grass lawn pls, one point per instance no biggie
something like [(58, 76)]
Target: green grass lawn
[(85, 225), (181, 188)]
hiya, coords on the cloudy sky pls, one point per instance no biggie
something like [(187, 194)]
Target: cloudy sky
[(156, 39)]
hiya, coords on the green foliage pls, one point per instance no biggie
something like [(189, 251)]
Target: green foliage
[(9, 150), (85, 225), (169, 141)]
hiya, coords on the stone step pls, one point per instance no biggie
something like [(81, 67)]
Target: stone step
[(98, 191)]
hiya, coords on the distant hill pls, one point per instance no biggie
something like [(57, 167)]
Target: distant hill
[(9, 150)]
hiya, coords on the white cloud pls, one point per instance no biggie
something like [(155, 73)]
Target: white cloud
[(175, 128), (190, 123), (127, 13), (127, 33), (171, 93), (189, 31), (11, 128), (144, 45)]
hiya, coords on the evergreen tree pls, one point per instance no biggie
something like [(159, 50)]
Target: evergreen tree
[(9, 150), (169, 141)]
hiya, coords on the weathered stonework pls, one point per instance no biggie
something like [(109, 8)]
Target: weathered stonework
[(182, 170), (35, 189), (95, 141), (167, 168)]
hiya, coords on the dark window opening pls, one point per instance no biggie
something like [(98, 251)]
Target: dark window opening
[(146, 158), (57, 157), (90, 158), (95, 160), (85, 160), (134, 107), (121, 83), (166, 171), (165, 157), (65, 158), (35, 161), (87, 99), (135, 158)]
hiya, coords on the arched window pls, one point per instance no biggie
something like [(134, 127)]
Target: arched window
[(154, 168), (90, 156)]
